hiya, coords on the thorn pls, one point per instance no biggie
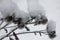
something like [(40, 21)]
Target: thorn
[(6, 30), (40, 34), (35, 33), (15, 36), (4, 26), (27, 28)]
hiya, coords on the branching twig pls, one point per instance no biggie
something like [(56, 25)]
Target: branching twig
[(8, 33), (30, 32), (1, 23), (10, 27), (4, 26)]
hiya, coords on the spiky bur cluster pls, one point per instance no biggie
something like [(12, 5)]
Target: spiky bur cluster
[(9, 18), (52, 34), (51, 29), (42, 20)]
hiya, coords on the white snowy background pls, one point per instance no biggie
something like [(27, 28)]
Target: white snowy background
[(52, 8)]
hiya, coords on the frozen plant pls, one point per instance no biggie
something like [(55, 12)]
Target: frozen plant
[(51, 29), (12, 14), (37, 12)]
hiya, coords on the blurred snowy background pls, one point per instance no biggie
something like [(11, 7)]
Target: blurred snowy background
[(52, 8)]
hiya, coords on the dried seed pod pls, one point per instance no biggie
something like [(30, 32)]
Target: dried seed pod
[(44, 19), (52, 34), (35, 9), (51, 29)]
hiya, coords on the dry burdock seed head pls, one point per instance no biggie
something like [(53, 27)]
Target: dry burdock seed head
[(51, 29), (35, 9)]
